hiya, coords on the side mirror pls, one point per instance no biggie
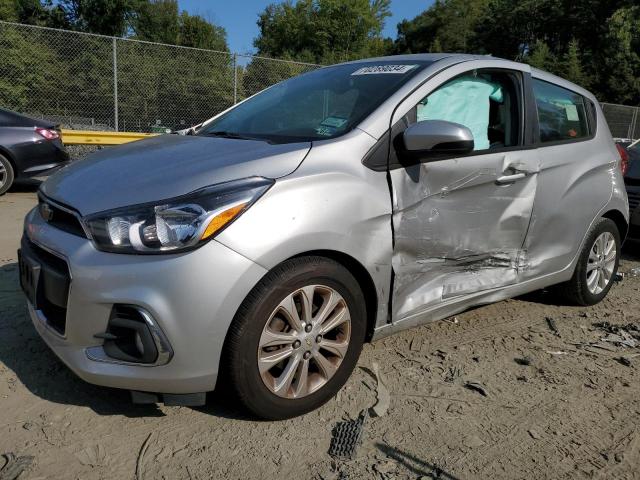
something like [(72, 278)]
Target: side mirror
[(437, 138)]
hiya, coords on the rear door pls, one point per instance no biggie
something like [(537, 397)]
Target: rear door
[(574, 181), (460, 223)]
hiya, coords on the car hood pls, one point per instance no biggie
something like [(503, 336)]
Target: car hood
[(164, 167)]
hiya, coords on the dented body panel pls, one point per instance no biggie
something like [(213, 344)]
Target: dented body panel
[(457, 231), (426, 239), (461, 239)]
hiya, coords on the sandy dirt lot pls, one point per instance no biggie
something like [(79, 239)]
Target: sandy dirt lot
[(555, 405)]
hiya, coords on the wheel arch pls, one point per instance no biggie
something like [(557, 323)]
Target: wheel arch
[(361, 275), (620, 220)]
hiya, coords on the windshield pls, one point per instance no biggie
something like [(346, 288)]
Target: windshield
[(318, 105)]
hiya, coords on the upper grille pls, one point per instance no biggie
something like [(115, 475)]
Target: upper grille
[(60, 217)]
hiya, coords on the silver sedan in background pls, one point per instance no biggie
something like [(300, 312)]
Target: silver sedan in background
[(267, 245)]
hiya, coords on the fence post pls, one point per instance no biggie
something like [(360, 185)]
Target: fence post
[(115, 83), (235, 78)]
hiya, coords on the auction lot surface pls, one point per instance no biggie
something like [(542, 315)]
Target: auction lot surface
[(555, 406)]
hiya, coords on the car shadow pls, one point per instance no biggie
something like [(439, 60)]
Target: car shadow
[(36, 367), (28, 186), (630, 252), (412, 463)]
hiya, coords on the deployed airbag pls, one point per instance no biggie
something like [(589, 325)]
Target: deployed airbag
[(464, 100)]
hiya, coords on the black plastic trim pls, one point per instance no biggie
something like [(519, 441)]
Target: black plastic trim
[(124, 323)]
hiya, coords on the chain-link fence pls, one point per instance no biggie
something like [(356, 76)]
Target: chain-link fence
[(92, 81), (623, 120)]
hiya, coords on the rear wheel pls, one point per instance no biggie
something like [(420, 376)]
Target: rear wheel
[(597, 265), (296, 338), (6, 175)]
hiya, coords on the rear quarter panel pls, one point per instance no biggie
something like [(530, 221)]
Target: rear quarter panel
[(27, 149)]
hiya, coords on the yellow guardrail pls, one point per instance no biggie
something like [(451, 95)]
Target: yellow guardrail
[(88, 137)]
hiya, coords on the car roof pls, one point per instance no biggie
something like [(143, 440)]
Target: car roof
[(452, 58), (424, 57)]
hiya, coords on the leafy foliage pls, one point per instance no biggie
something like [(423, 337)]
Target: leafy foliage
[(323, 31), (595, 43), (449, 25), (315, 31), (56, 73)]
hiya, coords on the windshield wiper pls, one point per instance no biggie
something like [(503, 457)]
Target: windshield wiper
[(234, 135)]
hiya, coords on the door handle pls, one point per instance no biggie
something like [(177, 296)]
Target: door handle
[(510, 178)]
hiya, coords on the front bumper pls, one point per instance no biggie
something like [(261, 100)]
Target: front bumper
[(192, 297)]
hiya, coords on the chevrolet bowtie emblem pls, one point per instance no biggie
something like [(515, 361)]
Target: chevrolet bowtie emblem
[(45, 211)]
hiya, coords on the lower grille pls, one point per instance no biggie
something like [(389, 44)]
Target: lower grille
[(53, 283)]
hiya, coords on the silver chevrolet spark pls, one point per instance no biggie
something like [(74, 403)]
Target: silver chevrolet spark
[(265, 246)]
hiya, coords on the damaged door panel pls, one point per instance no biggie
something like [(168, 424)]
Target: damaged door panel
[(457, 230), (460, 221)]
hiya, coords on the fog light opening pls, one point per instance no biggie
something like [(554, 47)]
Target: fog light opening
[(130, 336)]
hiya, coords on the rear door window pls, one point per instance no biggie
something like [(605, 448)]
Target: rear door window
[(562, 114)]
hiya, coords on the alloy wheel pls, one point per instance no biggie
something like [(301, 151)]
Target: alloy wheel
[(3, 175), (304, 341), (601, 263)]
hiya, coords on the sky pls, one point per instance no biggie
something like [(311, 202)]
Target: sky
[(239, 17)]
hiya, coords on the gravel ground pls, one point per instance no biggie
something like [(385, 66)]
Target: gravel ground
[(544, 403)]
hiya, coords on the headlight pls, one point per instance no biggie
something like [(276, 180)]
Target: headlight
[(177, 224)]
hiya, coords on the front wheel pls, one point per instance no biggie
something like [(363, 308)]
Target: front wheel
[(296, 338), (597, 265)]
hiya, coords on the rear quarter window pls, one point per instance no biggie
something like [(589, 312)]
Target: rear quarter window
[(562, 114)]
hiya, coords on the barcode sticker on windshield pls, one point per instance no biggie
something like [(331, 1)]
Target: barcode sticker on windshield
[(378, 69)]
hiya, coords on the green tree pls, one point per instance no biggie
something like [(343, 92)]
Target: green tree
[(323, 31), (106, 17), (8, 10), (571, 65), (436, 46), (595, 43), (540, 56), (619, 76), (26, 86), (195, 31), (450, 23), (156, 21)]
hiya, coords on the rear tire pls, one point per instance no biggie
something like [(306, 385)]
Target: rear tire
[(7, 175), (319, 340), (597, 265)]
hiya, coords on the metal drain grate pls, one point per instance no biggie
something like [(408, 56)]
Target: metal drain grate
[(346, 436)]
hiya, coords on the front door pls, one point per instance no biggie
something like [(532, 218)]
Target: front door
[(460, 223)]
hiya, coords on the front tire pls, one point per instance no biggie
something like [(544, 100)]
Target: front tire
[(6, 175), (296, 338), (597, 265)]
